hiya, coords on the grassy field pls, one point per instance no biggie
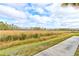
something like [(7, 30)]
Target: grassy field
[(30, 42), (77, 52)]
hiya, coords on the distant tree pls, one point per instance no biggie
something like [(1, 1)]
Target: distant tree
[(72, 4), (64, 4), (5, 26)]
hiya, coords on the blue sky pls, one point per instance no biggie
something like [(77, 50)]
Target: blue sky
[(47, 15)]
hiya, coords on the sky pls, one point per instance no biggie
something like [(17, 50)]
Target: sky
[(46, 15)]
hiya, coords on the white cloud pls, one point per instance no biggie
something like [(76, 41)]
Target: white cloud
[(16, 4), (12, 12), (63, 17), (71, 20), (60, 17), (69, 9), (54, 7), (40, 10), (19, 16), (41, 19)]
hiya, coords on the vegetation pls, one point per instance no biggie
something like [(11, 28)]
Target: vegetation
[(16, 42), (34, 46), (5, 26), (22, 35), (72, 4), (29, 42), (77, 52)]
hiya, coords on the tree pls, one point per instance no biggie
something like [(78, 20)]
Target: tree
[(5, 26), (72, 4)]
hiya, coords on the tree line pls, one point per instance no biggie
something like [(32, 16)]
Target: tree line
[(72, 4), (5, 26)]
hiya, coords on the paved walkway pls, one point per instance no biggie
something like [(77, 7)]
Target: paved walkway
[(65, 48)]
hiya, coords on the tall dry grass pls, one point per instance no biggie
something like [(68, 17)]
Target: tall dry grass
[(22, 35)]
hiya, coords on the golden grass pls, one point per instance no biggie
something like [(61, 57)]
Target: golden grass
[(45, 40), (33, 48), (5, 44), (8, 44)]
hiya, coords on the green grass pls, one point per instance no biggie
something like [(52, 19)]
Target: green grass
[(27, 41), (31, 49), (21, 36), (77, 52), (36, 44)]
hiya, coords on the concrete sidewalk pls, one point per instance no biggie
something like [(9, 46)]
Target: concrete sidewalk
[(65, 48)]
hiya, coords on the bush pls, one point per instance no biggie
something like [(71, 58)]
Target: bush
[(23, 36), (12, 37)]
